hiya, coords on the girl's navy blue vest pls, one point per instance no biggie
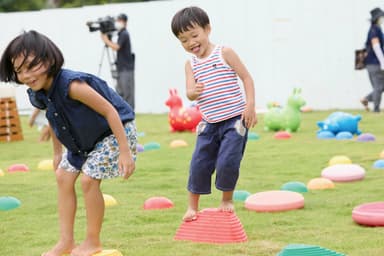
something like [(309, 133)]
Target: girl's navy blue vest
[(77, 126)]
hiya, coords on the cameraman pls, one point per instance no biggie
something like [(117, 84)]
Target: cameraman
[(125, 60)]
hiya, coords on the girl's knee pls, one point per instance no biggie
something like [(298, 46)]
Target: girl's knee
[(88, 183)]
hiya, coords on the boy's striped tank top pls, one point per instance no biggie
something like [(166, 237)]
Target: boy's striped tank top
[(222, 97)]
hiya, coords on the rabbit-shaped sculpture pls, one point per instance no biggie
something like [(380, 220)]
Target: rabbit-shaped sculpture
[(180, 118)]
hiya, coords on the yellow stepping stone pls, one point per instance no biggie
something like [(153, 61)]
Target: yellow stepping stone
[(108, 253)]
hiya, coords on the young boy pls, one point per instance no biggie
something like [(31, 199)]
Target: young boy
[(212, 79)]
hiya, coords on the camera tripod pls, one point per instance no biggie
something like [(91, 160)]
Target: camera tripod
[(111, 60)]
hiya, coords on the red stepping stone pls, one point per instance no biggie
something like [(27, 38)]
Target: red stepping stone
[(157, 203), (18, 168), (369, 214), (212, 226), (282, 135)]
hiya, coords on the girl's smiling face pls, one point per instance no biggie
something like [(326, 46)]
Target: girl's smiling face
[(31, 72), (196, 40)]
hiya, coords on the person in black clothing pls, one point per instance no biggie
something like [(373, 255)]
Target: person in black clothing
[(374, 60), (125, 60)]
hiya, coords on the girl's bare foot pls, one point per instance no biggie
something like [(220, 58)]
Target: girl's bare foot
[(87, 248), (60, 248), (190, 215), (227, 206)]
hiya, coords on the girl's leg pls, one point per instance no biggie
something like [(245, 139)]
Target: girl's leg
[(227, 202), (94, 204), (193, 207), (67, 210)]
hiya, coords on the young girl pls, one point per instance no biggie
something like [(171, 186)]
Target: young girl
[(38, 118), (94, 124), (211, 79)]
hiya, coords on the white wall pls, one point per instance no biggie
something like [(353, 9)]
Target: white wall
[(284, 43)]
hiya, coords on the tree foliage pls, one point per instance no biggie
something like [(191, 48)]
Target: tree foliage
[(32, 5)]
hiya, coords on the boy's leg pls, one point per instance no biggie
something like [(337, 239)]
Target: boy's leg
[(193, 207), (67, 210), (234, 138), (227, 202), (94, 204)]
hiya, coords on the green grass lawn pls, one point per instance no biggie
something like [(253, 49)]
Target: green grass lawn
[(267, 165)]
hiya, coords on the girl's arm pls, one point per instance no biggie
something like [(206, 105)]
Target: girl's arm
[(57, 149), (233, 60), (194, 89), (82, 92)]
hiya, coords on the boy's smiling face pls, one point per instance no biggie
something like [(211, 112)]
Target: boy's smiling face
[(196, 40)]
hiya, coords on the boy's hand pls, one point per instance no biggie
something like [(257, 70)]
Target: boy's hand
[(199, 87), (249, 117)]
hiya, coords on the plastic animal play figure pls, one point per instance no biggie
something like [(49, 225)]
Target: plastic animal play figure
[(287, 118), (180, 118), (340, 122)]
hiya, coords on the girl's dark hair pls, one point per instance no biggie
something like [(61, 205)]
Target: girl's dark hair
[(27, 44), (187, 18)]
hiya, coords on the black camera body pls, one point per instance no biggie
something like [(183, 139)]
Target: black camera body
[(106, 25)]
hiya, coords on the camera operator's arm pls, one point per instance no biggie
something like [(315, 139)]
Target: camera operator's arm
[(109, 43)]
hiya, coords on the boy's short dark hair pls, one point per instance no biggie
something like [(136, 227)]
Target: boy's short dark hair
[(187, 18), (30, 43)]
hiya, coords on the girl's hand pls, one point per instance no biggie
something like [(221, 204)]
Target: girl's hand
[(249, 117), (126, 164)]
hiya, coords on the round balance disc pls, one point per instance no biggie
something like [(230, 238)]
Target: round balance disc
[(369, 214), (320, 184), (108, 253), (379, 164), (157, 203), (9, 203), (295, 186), (343, 172), (109, 200), (18, 168), (282, 135), (178, 144), (274, 201), (339, 160), (45, 165)]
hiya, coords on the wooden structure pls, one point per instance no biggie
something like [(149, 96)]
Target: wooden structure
[(10, 127)]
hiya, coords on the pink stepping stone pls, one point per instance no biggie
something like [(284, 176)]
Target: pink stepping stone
[(369, 214), (344, 172), (274, 201)]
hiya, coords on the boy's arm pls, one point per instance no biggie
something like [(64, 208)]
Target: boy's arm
[(194, 89), (233, 60)]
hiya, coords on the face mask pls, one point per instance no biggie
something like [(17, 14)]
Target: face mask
[(119, 25)]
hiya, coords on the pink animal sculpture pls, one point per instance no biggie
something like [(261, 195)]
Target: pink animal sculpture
[(180, 118)]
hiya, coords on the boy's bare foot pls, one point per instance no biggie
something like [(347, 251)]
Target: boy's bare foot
[(87, 248), (60, 248), (190, 215), (227, 206)]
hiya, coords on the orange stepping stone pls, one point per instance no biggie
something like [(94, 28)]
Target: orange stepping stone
[(212, 226)]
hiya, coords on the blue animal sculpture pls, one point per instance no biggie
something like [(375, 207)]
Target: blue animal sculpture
[(340, 122), (286, 118)]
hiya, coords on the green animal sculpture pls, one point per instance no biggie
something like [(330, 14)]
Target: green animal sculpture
[(287, 118)]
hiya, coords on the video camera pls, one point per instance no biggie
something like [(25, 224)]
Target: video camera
[(106, 25)]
